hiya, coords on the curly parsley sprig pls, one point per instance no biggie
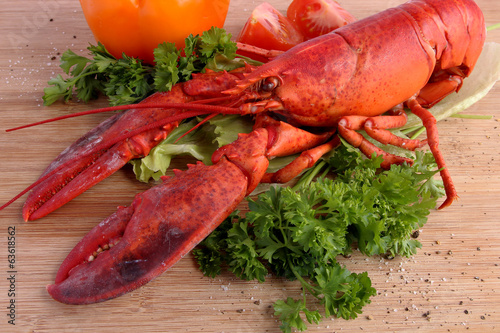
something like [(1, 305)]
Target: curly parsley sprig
[(299, 232), (128, 80)]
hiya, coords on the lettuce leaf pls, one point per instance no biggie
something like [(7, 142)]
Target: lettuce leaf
[(199, 143)]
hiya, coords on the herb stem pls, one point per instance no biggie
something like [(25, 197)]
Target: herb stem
[(492, 27), (409, 130), (83, 74), (417, 133), (283, 232), (302, 281), (309, 175), (471, 116)]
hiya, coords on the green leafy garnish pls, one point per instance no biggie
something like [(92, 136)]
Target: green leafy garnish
[(129, 80), (299, 232), (200, 144)]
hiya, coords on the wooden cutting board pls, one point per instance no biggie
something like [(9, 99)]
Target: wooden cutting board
[(452, 284)]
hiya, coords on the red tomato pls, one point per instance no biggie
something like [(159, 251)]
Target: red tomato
[(136, 27), (267, 28), (317, 17)]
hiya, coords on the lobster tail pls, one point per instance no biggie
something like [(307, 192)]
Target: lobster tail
[(476, 29), (454, 29)]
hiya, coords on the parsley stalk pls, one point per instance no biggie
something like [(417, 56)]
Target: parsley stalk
[(310, 174)]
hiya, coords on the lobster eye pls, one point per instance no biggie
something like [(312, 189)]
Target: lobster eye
[(270, 83)]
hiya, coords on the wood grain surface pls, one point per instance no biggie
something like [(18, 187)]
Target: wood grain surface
[(451, 285)]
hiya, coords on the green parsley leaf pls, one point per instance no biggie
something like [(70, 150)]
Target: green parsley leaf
[(341, 292), (289, 314), (167, 73), (73, 63), (210, 254), (242, 253), (59, 89), (216, 41), (128, 80)]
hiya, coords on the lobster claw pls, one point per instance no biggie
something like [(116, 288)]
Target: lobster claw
[(139, 242), (143, 240), (83, 165), (109, 146)]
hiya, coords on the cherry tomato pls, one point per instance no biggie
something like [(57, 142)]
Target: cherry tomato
[(136, 27), (317, 17), (267, 28)]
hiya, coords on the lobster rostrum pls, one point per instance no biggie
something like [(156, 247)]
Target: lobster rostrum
[(409, 56)]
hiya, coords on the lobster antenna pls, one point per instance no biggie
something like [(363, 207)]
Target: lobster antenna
[(187, 106), (77, 114), (106, 145), (27, 189), (207, 118), (203, 121)]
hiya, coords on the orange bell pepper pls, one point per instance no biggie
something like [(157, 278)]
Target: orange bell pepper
[(136, 27)]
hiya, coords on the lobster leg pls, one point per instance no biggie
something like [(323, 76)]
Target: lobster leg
[(305, 160), (434, 92), (376, 128), (429, 123), (285, 140)]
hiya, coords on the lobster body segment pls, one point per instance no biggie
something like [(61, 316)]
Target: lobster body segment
[(358, 77)]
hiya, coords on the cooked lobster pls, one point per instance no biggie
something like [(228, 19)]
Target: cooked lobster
[(409, 56)]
